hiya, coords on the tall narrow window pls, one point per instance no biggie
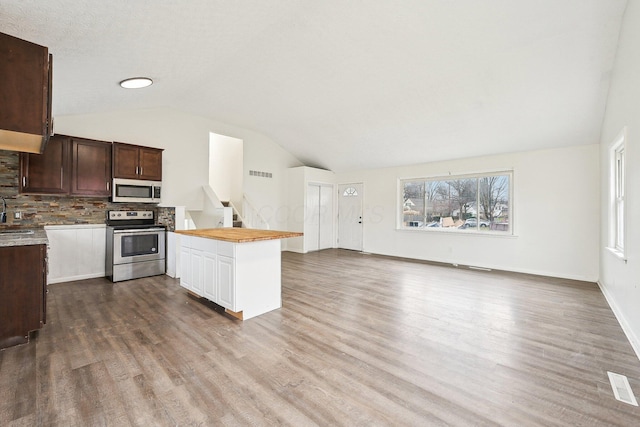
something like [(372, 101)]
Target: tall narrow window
[(616, 240), (619, 199)]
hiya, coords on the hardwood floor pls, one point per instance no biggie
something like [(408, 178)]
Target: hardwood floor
[(360, 340)]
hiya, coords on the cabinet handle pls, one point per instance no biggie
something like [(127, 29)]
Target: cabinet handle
[(107, 185), (140, 170), (61, 177), (24, 181), (137, 170)]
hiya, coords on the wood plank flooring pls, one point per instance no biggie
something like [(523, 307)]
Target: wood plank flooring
[(360, 340)]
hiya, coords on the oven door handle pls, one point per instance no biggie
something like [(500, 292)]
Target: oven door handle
[(139, 231)]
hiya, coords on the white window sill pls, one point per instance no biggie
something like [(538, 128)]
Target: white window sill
[(618, 254), (455, 231)]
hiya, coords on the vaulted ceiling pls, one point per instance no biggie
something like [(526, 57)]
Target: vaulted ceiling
[(342, 84)]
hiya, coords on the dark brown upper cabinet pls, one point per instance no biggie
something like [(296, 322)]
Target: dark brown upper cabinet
[(68, 165), (90, 167), (46, 173), (136, 162), (25, 90)]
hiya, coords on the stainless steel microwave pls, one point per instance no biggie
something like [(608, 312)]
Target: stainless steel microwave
[(136, 191)]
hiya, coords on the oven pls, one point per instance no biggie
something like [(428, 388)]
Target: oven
[(135, 245)]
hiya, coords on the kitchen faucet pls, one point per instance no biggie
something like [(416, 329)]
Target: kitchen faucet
[(3, 214)]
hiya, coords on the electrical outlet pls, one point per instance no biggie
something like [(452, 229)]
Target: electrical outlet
[(17, 215)]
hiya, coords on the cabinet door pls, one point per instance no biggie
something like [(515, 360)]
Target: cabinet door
[(21, 290), (197, 265), (24, 90), (185, 267), (44, 265), (91, 167), (210, 276), (125, 161), (226, 283), (46, 173), (150, 164)]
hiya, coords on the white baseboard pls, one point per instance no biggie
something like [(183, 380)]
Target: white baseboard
[(628, 331), (53, 280)]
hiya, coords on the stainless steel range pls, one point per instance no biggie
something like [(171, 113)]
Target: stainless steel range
[(135, 245)]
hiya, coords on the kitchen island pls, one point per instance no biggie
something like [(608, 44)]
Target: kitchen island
[(236, 268)]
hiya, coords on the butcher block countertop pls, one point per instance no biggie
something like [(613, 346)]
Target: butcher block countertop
[(239, 235)]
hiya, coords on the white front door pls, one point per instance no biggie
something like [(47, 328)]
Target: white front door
[(350, 216)]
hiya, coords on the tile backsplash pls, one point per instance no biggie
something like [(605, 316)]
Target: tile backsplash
[(41, 210)]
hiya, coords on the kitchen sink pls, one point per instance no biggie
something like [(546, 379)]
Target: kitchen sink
[(12, 232)]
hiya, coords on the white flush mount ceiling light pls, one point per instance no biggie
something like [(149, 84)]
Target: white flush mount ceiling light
[(136, 82)]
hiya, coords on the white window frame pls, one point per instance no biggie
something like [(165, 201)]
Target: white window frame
[(509, 233), (617, 190)]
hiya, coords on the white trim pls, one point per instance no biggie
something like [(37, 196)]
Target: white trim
[(73, 226), (618, 254), (489, 172), (618, 145), (456, 232), (626, 328), (74, 278), (495, 267)]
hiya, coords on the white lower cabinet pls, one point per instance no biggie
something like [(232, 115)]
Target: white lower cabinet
[(197, 265), (241, 277), (76, 252), (185, 265), (226, 283), (209, 290)]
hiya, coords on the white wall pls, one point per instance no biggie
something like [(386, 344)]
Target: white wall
[(556, 214), (620, 281), (185, 139)]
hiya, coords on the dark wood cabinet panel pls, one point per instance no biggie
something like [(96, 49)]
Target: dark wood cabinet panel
[(25, 91), (46, 173), (125, 161), (137, 162), (90, 167), (85, 167), (68, 165), (22, 292), (150, 164)]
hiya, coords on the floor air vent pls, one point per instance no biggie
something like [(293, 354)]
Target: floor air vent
[(621, 389)]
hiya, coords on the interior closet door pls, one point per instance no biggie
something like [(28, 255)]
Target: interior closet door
[(312, 220), (325, 239), (319, 221)]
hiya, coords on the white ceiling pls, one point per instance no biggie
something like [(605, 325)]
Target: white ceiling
[(342, 84)]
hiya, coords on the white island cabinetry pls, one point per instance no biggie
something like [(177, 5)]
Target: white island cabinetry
[(244, 277)]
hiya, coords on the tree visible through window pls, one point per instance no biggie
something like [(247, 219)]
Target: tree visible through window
[(466, 202)]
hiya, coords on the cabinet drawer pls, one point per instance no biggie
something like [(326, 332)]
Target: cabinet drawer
[(206, 245), (226, 249)]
